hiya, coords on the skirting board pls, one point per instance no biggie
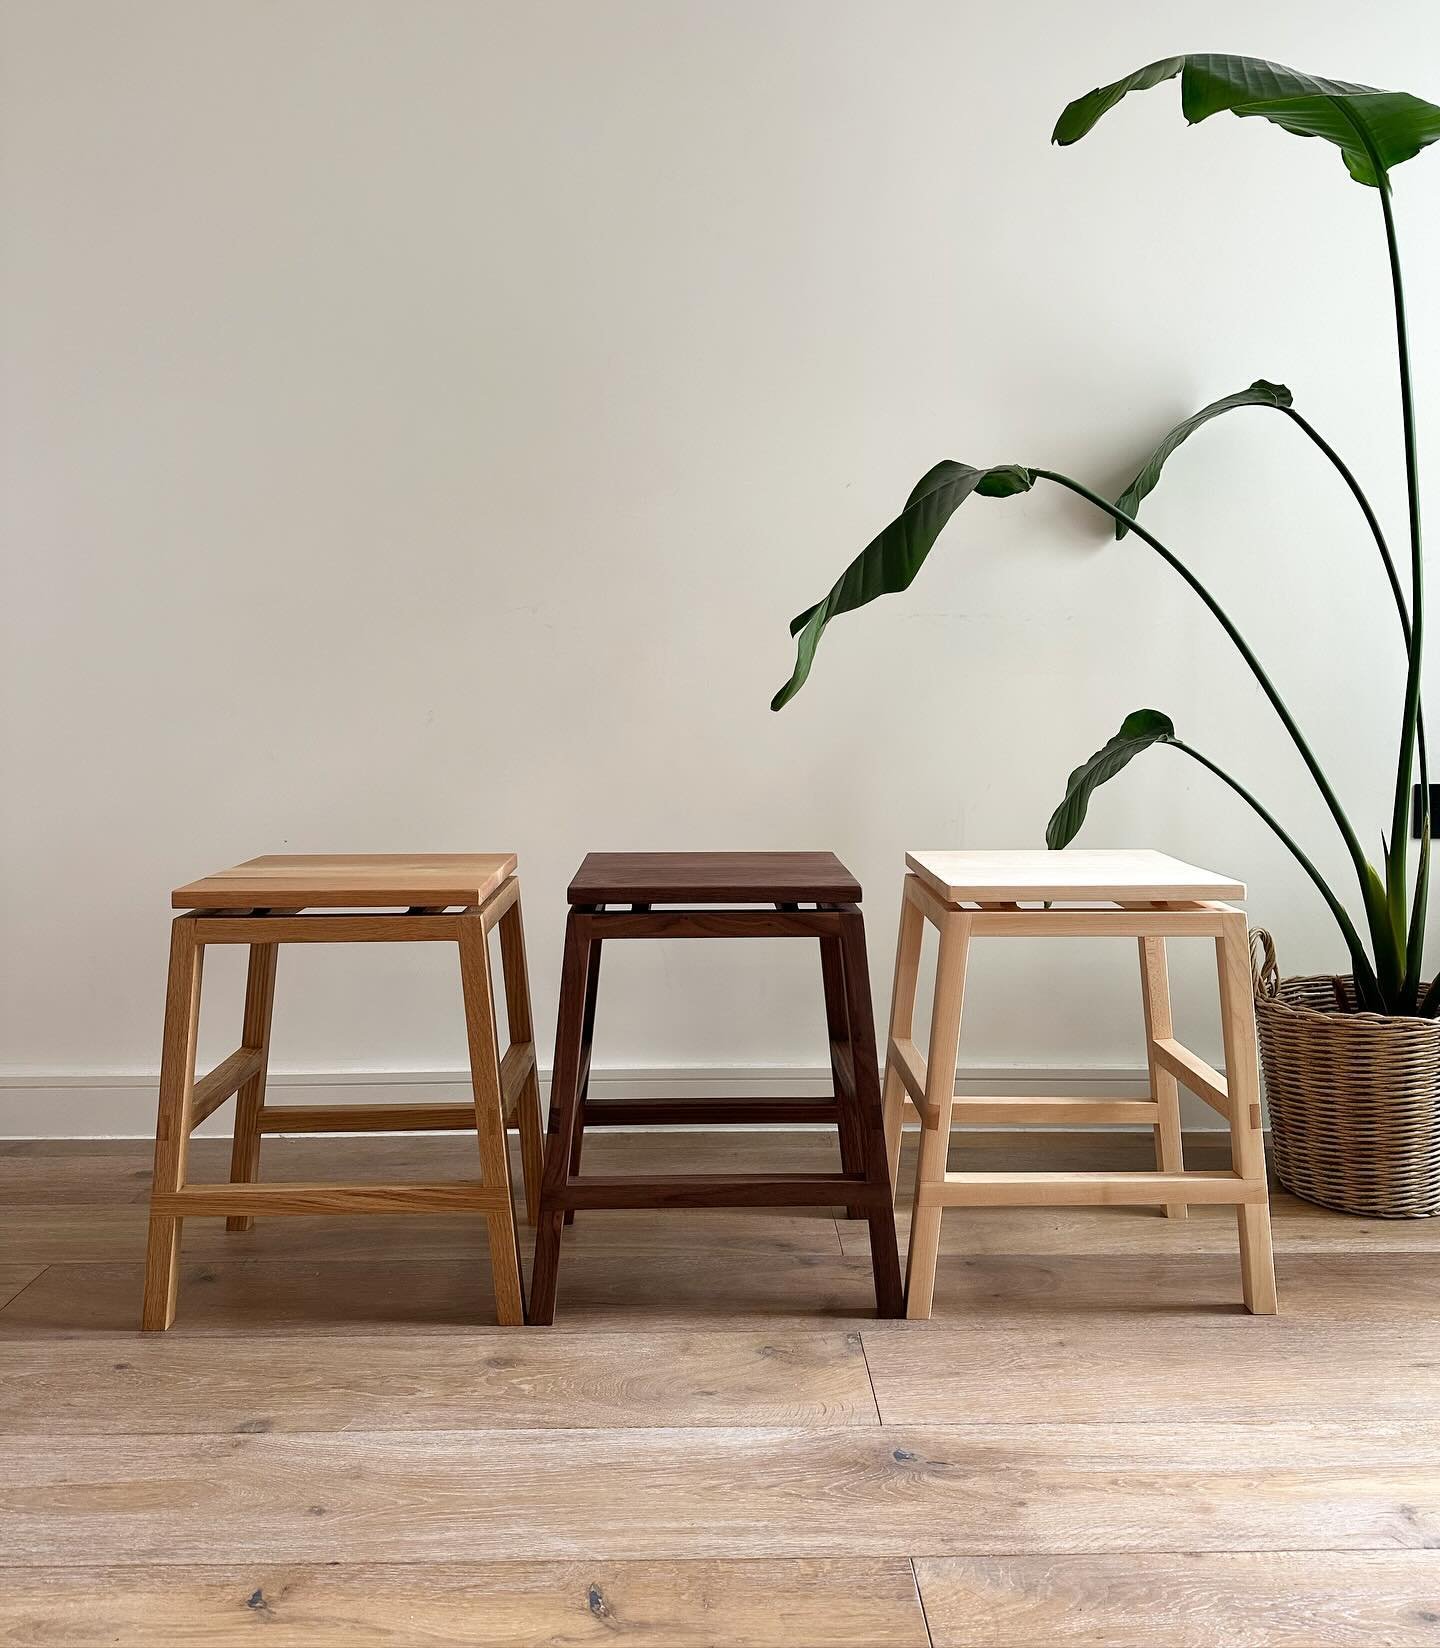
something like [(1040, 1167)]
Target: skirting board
[(97, 1105)]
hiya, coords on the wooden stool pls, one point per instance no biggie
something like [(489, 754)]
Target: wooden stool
[(259, 904), (1139, 895), (785, 881)]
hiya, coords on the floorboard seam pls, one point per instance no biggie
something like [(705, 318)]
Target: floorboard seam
[(24, 1290), (920, 1598), (869, 1374)]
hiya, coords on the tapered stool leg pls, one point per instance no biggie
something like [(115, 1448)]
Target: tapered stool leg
[(837, 1024), (870, 1119), (587, 1048), (564, 1109), (522, 1032), (939, 1108), (483, 1039), (249, 1101), (1247, 1141), (172, 1128), (902, 1025), (1164, 1089)]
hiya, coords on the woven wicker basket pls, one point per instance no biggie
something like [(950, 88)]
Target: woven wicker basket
[(1354, 1097)]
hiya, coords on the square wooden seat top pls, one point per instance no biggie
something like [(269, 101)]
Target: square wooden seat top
[(1074, 875), (349, 881), (713, 878)]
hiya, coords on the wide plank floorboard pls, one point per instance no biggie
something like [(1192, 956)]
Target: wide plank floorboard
[(1300, 1227), (795, 1604), (110, 1234), (1282, 1368), (1090, 1444), (507, 1378), (1282, 1599), (746, 1492), (14, 1279)]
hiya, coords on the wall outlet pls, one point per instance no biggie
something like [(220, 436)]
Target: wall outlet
[(1434, 812)]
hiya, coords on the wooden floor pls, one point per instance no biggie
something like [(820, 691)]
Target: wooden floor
[(716, 1444)]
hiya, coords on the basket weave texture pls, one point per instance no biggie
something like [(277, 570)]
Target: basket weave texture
[(1354, 1097)]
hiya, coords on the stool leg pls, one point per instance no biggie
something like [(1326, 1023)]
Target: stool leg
[(522, 1029), (255, 1032), (1247, 1142), (869, 1117), (564, 1108), (1164, 1089), (173, 1121), (837, 1023), (939, 1106), (490, 1117), (902, 1025), (587, 1045)]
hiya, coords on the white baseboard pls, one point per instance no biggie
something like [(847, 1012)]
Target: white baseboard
[(95, 1105)]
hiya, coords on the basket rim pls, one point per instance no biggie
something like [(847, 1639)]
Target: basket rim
[(1269, 990), (1277, 1003)]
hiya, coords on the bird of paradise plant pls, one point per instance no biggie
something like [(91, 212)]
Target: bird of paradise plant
[(1375, 131)]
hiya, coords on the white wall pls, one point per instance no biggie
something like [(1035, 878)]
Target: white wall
[(421, 422)]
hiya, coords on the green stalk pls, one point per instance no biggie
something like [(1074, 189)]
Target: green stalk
[(1267, 686), (1365, 980), (1366, 509), (1409, 725), (1415, 943), (1417, 569), (1415, 948)]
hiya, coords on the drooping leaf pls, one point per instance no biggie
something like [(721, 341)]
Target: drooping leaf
[(1369, 126), (1260, 393), (889, 562), (1138, 731)]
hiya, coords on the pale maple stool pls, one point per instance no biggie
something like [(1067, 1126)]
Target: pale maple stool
[(1144, 896), (426, 898)]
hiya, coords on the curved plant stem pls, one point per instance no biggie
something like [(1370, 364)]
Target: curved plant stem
[(1366, 509), (1415, 943), (1365, 978), (1417, 569), (1409, 725), (1267, 686)]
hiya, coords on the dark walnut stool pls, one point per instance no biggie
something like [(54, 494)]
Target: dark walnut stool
[(809, 895), (454, 898)]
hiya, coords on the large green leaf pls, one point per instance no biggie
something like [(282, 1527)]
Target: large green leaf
[(1370, 127), (1138, 731), (889, 563), (1260, 393)]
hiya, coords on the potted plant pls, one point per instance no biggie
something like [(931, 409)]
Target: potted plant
[(1352, 1063)]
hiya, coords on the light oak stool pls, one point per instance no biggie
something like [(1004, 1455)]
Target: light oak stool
[(445, 898), (1143, 896)]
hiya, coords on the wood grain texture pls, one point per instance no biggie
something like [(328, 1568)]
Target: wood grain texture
[(502, 1380), (338, 881), (1159, 1025), (256, 1018), (332, 1448), (1035, 1374), (174, 1120), (1080, 1230), (685, 1604), (112, 1234), (1290, 1599), (621, 1290), (712, 878), (14, 1279), (440, 1496)]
